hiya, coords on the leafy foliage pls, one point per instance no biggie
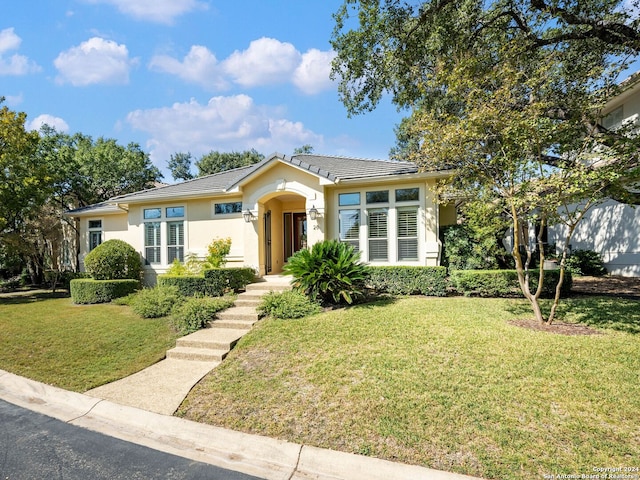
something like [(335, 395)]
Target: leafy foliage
[(231, 279), (217, 252), (112, 260), (194, 313), (401, 280), (180, 166), (586, 262), (287, 304), (461, 251), (155, 302), (216, 162), (331, 272), (88, 290), (504, 283)]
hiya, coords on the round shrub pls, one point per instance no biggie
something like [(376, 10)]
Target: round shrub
[(195, 312), (113, 260), (155, 302), (586, 262), (288, 304)]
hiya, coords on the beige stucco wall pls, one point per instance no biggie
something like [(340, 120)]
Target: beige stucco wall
[(114, 226)]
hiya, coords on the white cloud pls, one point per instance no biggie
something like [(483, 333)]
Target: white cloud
[(266, 61), (199, 66), (312, 75), (159, 11), (56, 122), (14, 64), (96, 61), (223, 124)]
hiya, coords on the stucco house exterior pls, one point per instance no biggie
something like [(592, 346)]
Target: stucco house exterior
[(612, 229), (270, 210)]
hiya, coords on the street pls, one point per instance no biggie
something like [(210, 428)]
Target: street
[(34, 446)]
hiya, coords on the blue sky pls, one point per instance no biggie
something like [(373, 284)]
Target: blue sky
[(185, 75)]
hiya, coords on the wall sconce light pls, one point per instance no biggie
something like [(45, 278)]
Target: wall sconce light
[(313, 212), (247, 215)]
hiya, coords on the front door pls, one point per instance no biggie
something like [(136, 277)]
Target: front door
[(267, 242), (295, 233)]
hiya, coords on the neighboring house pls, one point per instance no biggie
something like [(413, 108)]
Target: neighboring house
[(387, 210), (612, 229)]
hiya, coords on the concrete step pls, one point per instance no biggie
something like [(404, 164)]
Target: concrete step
[(264, 287), (233, 324), (247, 302), (199, 354), (238, 313), (212, 338)]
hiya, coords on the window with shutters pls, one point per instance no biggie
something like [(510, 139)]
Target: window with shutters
[(378, 230), (407, 233), (349, 227), (152, 243), (175, 241)]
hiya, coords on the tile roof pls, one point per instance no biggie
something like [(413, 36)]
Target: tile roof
[(103, 208), (333, 168)]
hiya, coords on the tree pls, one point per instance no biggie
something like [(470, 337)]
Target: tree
[(216, 162), (180, 166), (303, 149), (507, 95)]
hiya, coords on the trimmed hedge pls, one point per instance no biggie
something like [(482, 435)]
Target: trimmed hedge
[(112, 260), (400, 280), (213, 283), (504, 283), (88, 290), (232, 278), (190, 285)]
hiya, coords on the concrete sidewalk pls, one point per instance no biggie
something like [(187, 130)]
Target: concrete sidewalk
[(251, 454)]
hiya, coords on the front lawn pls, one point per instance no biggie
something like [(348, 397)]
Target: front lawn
[(446, 383), (47, 338)]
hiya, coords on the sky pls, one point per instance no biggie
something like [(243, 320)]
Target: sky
[(185, 76)]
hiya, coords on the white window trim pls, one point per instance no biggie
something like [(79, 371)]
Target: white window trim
[(226, 215), (91, 230), (392, 226), (164, 233)]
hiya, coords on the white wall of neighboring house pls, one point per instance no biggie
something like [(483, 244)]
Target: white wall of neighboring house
[(612, 229)]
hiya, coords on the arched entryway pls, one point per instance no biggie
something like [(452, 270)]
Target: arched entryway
[(283, 230)]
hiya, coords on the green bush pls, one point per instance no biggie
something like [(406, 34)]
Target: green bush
[(112, 260), (504, 283), (88, 290), (217, 252), (463, 251), (233, 279), (586, 262), (192, 285), (195, 312), (331, 272), (400, 280), (287, 304), (155, 302)]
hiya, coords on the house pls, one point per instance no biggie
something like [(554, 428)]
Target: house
[(612, 228), (270, 210)]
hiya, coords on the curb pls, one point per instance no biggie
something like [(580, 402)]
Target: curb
[(256, 455)]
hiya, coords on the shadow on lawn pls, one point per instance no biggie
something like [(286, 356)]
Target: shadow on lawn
[(17, 298), (618, 314)]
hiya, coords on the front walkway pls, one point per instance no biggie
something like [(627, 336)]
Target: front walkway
[(162, 387)]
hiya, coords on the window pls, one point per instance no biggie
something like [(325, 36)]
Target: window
[(348, 199), (407, 194), (226, 208), (152, 242), (378, 243), (614, 119), (95, 233), (349, 227), (175, 241), (173, 212), (407, 233), (381, 196), (152, 213)]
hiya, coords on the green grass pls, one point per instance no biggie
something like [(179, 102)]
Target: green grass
[(47, 338), (446, 383)]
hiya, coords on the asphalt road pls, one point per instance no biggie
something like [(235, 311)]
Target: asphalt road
[(34, 447)]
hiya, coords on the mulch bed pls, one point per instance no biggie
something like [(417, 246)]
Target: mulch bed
[(559, 327)]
